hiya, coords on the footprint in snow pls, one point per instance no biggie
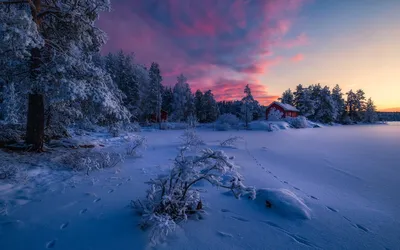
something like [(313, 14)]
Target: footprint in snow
[(362, 228), (64, 225), (110, 191), (239, 218), (276, 177), (223, 234), (285, 182), (119, 184), (83, 211), (97, 200), (129, 179), (313, 197), (51, 244), (224, 210), (332, 209), (297, 188)]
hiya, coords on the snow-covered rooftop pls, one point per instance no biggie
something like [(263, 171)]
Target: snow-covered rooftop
[(286, 107)]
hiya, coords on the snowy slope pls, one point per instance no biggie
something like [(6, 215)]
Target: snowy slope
[(345, 179)]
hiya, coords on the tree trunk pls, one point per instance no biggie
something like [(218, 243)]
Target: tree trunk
[(35, 123)]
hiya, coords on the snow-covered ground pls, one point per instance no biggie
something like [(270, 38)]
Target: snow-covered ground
[(330, 188)]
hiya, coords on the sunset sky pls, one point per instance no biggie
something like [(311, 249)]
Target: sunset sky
[(272, 45)]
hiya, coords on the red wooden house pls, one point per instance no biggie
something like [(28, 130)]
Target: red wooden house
[(286, 109)]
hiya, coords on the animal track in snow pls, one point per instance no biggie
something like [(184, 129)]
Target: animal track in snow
[(83, 211), (332, 209), (64, 225), (119, 184), (110, 191), (223, 234), (224, 210), (313, 197), (97, 200), (239, 218), (51, 244), (362, 228), (297, 188)]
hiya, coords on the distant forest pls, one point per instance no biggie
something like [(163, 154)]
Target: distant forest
[(388, 116)]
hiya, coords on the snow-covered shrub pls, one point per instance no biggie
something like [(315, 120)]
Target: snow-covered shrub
[(8, 171), (136, 145), (226, 122), (172, 198), (275, 115), (115, 129), (55, 132), (132, 127), (10, 133), (297, 122), (191, 139), (89, 160), (192, 121), (231, 141)]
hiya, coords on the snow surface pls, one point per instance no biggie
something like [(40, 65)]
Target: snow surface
[(330, 188)]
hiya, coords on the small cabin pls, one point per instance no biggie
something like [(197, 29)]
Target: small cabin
[(164, 117), (286, 109)]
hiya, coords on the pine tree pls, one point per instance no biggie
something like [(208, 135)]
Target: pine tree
[(55, 47), (303, 101), (183, 104), (154, 98), (247, 106), (370, 112), (339, 103), (167, 99), (351, 105), (210, 107), (326, 111), (287, 97), (198, 104)]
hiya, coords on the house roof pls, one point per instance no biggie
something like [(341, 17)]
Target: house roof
[(286, 107)]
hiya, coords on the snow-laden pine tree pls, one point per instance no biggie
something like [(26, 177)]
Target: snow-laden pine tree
[(183, 104), (339, 103), (360, 104), (167, 99), (351, 105), (56, 42), (122, 70), (370, 115), (326, 110), (154, 95), (303, 101), (199, 107), (247, 106), (287, 97), (275, 115), (210, 107)]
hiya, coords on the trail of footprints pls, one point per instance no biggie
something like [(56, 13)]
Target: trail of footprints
[(51, 244), (355, 225)]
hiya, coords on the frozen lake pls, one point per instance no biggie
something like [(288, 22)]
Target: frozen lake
[(349, 176)]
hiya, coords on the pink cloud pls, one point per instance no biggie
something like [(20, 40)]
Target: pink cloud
[(297, 58)]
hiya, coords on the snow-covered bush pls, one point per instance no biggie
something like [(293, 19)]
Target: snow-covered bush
[(192, 121), (297, 122), (275, 115), (231, 141), (10, 133), (191, 139), (55, 132), (132, 127), (115, 129), (226, 122), (172, 198), (89, 160), (136, 145), (8, 171)]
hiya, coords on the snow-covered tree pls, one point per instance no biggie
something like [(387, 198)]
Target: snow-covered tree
[(210, 107), (154, 97), (275, 115), (303, 101), (370, 115), (325, 109), (183, 104), (338, 101), (57, 40), (287, 97), (247, 106), (199, 105), (167, 99)]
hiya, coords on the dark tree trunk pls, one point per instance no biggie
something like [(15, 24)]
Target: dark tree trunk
[(35, 124), (36, 115)]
